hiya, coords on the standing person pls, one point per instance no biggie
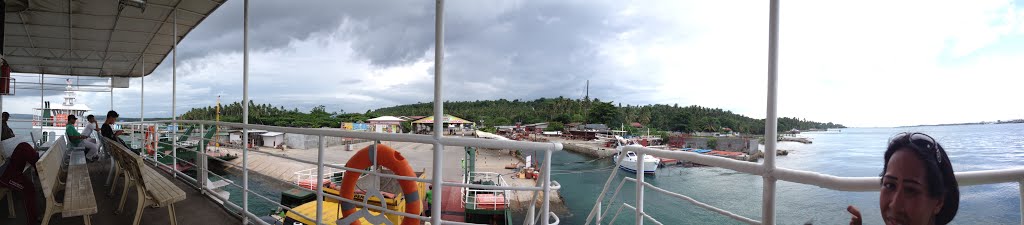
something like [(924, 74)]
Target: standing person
[(17, 153), (430, 198), (91, 149), (918, 184), (7, 131)]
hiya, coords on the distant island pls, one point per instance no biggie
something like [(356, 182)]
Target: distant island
[(971, 123), (501, 112)]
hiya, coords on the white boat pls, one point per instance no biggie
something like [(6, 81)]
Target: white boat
[(52, 119), (629, 163)]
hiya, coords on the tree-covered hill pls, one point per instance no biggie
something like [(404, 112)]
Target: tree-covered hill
[(565, 110), (505, 112)]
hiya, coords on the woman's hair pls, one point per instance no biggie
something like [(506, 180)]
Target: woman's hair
[(939, 171), (112, 114)]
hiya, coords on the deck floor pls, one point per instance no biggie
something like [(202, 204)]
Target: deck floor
[(195, 209)]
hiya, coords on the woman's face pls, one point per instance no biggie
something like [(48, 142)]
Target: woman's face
[(904, 197)]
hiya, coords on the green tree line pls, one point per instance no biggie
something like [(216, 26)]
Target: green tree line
[(505, 112), (566, 110)]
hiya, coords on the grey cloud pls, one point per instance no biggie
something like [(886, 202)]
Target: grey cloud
[(499, 49)]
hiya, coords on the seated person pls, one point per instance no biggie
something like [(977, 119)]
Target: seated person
[(75, 139), (90, 127), (7, 131), (108, 130), (918, 184), (17, 153)]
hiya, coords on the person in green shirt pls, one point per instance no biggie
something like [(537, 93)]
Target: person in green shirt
[(91, 149), (430, 199)]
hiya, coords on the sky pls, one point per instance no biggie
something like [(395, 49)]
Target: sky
[(859, 63)]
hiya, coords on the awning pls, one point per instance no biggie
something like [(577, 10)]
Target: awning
[(97, 38)]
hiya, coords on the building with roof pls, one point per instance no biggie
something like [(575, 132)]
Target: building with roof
[(386, 124), (452, 123), (272, 139)]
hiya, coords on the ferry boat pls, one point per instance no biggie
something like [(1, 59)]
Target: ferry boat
[(52, 119)]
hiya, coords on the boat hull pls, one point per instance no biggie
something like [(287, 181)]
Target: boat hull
[(649, 167)]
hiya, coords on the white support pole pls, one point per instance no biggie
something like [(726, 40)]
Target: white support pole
[(202, 159), (599, 213), (142, 93), (771, 121), (42, 106), (245, 109), (174, 94), (111, 93), (545, 207), (436, 176), (320, 181), (639, 188)]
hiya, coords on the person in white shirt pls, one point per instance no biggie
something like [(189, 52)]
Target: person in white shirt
[(90, 127)]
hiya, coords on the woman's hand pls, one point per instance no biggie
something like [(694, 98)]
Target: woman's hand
[(855, 220)]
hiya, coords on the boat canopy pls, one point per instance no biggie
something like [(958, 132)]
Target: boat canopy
[(96, 38)]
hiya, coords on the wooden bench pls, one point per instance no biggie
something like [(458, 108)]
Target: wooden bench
[(79, 199), (48, 169), (153, 189)]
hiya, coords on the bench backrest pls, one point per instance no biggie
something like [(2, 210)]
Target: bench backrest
[(48, 167), (130, 162)]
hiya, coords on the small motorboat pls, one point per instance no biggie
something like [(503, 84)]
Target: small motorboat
[(629, 163)]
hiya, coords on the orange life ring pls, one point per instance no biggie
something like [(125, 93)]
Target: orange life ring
[(393, 160)]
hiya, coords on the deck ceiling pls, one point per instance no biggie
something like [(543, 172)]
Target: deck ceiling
[(97, 38)]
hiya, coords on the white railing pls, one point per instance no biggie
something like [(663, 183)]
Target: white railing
[(307, 178), (856, 184), (544, 186), (496, 179)]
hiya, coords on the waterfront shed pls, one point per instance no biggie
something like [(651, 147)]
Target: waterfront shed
[(386, 124), (426, 124), (272, 139)]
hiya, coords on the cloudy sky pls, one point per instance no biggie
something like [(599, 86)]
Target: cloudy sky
[(860, 63)]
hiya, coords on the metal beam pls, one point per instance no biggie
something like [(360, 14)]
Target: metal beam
[(79, 28), (119, 42)]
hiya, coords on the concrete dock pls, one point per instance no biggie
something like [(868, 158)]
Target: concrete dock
[(419, 155)]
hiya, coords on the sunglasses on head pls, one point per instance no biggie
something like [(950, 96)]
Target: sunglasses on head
[(920, 141)]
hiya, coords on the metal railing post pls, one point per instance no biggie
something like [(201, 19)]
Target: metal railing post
[(202, 160), (1021, 188), (771, 117), (599, 213), (245, 109), (639, 188), (437, 173), (174, 94), (320, 181), (545, 207)]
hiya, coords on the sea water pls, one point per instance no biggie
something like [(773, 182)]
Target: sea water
[(852, 152)]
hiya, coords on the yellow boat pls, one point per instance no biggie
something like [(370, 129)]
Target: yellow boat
[(332, 213)]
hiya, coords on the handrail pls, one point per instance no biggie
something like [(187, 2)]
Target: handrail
[(857, 184), (471, 142), (968, 178), (417, 138)]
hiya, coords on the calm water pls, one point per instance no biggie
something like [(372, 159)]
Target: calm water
[(854, 152)]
